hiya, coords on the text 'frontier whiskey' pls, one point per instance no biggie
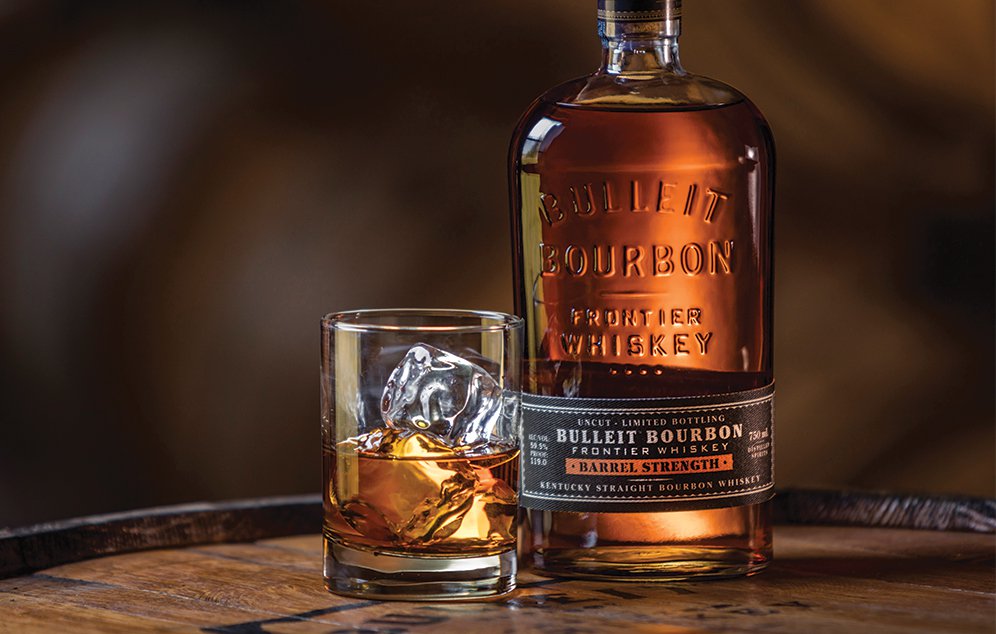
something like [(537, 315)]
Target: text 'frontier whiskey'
[(642, 219)]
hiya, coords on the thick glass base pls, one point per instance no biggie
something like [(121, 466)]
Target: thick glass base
[(636, 564), (371, 575)]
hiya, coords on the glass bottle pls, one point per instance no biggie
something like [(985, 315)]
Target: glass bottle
[(642, 200)]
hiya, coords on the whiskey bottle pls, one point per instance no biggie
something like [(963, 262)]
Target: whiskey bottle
[(642, 233)]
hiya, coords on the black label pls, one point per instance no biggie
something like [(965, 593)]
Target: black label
[(644, 455)]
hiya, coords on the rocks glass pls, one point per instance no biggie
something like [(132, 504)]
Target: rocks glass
[(420, 421)]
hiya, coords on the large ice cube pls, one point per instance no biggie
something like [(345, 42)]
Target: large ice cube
[(398, 443), (448, 398), (408, 489), (408, 502)]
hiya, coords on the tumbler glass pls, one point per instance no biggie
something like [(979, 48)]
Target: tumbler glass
[(420, 421)]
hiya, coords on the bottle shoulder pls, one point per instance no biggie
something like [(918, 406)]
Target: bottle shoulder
[(671, 108), (652, 92)]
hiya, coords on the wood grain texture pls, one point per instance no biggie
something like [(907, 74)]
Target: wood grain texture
[(45, 545), (824, 579), (857, 508)]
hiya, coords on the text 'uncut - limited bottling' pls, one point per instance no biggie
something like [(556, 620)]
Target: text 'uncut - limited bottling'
[(642, 201)]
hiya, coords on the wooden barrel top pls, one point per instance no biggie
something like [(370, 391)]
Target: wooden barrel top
[(824, 578)]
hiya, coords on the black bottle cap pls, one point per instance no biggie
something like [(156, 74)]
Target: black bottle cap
[(639, 10)]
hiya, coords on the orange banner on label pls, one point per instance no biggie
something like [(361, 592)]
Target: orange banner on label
[(704, 464)]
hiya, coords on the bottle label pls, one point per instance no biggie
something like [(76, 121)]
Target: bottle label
[(636, 455)]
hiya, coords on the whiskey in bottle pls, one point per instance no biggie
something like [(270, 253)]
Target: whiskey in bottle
[(642, 219)]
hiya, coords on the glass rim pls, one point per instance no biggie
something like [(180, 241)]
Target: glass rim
[(363, 320)]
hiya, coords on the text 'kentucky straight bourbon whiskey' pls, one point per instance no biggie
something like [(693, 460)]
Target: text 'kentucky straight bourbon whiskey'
[(642, 219)]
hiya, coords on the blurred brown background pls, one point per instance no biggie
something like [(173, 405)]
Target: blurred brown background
[(186, 187)]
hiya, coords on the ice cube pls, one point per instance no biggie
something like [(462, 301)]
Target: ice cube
[(397, 443), (448, 398), (439, 516), (500, 505), (491, 519), (406, 488), (367, 520)]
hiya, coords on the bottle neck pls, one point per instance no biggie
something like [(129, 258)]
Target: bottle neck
[(640, 37), (656, 55)]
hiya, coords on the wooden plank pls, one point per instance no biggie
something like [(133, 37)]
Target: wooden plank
[(210, 580), (823, 580), (46, 615), (106, 601), (46, 545), (887, 510), (936, 559)]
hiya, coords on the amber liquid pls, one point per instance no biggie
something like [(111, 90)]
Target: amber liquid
[(431, 505), (622, 216)]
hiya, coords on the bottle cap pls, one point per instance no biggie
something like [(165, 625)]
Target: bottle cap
[(639, 10)]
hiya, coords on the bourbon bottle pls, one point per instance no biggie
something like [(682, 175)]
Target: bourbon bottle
[(642, 220)]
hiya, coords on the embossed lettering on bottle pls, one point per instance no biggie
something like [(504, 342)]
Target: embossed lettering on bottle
[(642, 270)]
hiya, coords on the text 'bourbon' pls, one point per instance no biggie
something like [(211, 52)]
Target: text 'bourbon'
[(642, 219)]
